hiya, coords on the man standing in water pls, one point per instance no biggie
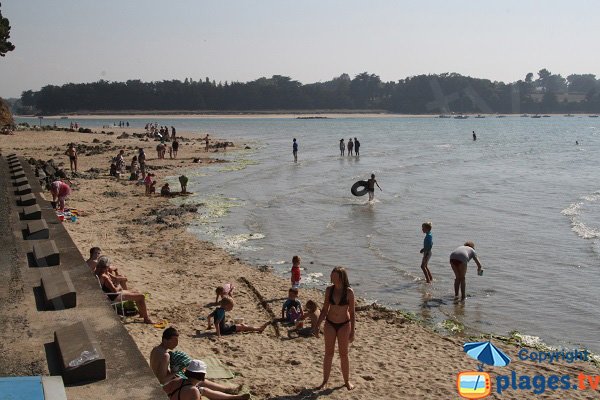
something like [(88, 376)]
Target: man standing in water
[(356, 147), (342, 147), (350, 146), (474, 136), (371, 187), (295, 150)]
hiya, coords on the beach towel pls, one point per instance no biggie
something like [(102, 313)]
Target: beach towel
[(216, 369)]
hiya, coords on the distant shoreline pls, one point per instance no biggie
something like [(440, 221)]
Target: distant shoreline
[(302, 114)]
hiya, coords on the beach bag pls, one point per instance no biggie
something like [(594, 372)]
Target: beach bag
[(127, 308)]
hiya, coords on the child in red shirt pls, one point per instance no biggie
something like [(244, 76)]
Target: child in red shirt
[(296, 272)]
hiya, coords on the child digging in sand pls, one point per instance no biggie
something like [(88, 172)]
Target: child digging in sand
[(225, 290), (222, 328), (291, 311), (312, 315)]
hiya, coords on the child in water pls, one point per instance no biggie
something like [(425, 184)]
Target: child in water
[(426, 250)]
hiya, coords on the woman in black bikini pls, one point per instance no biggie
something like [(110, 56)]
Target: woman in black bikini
[(338, 313), (117, 292)]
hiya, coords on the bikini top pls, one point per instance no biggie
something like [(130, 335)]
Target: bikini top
[(343, 300), (178, 390)]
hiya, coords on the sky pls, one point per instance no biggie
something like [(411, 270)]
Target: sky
[(62, 41)]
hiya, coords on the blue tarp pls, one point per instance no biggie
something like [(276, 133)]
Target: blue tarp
[(21, 388)]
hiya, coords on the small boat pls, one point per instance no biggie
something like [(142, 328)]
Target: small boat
[(525, 116), (546, 116), (569, 115), (500, 116), (461, 117), (593, 116), (536, 116), (444, 116), (480, 116)]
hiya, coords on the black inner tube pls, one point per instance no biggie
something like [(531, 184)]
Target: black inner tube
[(363, 188)]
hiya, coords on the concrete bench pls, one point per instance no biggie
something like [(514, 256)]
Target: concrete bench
[(27, 200), (20, 181), (79, 355), (58, 290), (37, 230), (31, 212), (18, 175), (15, 168), (46, 254), (21, 190), (14, 161), (11, 155)]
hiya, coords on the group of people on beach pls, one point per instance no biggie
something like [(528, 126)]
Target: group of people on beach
[(185, 378)]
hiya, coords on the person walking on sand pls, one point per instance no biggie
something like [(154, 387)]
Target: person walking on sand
[(371, 187), (142, 162), (350, 146), (338, 312), (206, 140), (295, 150), (426, 250), (342, 147), (356, 147), (72, 153), (458, 261)]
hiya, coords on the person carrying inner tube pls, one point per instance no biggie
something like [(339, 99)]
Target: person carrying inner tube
[(371, 187)]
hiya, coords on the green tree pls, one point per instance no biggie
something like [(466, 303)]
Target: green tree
[(5, 45)]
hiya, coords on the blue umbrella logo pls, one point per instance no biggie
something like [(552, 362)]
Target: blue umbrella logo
[(486, 353)]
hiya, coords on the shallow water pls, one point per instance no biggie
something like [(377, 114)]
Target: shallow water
[(523, 192)]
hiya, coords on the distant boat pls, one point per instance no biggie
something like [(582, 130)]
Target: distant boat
[(461, 117), (569, 115), (525, 116), (444, 116), (546, 116), (593, 116), (63, 117), (480, 116), (536, 116), (500, 116)]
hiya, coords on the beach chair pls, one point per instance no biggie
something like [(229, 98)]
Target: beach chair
[(117, 303)]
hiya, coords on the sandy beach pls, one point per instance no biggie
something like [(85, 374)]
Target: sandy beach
[(392, 357)]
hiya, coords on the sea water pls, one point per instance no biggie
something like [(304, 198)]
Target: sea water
[(524, 192)]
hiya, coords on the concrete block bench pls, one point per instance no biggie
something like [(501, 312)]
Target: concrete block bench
[(46, 254), (15, 167), (20, 181), (21, 190), (37, 230), (31, 212), (58, 290), (27, 200), (79, 355), (18, 175)]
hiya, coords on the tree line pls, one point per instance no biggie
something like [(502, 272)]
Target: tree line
[(421, 94)]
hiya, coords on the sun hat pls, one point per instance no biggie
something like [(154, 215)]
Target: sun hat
[(197, 366)]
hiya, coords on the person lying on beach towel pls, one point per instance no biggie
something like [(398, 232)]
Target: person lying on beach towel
[(222, 328), (169, 365)]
